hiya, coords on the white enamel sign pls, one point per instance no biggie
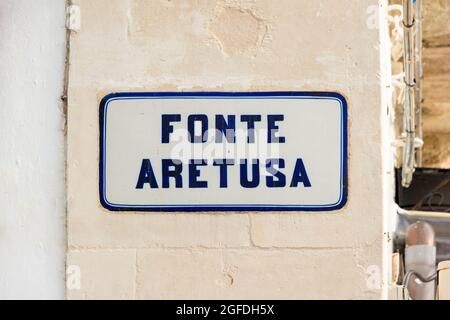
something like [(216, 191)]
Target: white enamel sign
[(210, 151)]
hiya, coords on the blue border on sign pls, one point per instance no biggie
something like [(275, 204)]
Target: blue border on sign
[(221, 95)]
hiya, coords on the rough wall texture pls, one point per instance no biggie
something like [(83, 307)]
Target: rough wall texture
[(162, 45), (436, 88), (436, 105)]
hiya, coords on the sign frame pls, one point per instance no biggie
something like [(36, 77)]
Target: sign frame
[(228, 207)]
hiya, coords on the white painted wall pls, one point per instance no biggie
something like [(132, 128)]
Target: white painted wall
[(32, 189)]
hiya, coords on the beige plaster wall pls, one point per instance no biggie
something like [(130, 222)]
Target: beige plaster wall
[(244, 45)]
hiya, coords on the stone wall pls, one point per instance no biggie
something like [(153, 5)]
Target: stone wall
[(436, 105), (233, 45)]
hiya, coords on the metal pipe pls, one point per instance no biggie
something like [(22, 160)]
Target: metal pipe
[(409, 124), (420, 261), (423, 214), (440, 221)]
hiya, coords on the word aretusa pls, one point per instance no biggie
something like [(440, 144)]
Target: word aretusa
[(273, 173)]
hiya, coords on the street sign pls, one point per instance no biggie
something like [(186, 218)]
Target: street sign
[(216, 151)]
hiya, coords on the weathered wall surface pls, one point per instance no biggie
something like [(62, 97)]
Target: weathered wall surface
[(32, 188), (436, 105), (161, 45), (436, 88)]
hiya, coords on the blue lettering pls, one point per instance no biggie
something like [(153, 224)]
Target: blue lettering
[(250, 120), (300, 175), (223, 164), (146, 175), (273, 129), (226, 128), (192, 119), (194, 174), (245, 182), (281, 178), (167, 173), (166, 127)]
